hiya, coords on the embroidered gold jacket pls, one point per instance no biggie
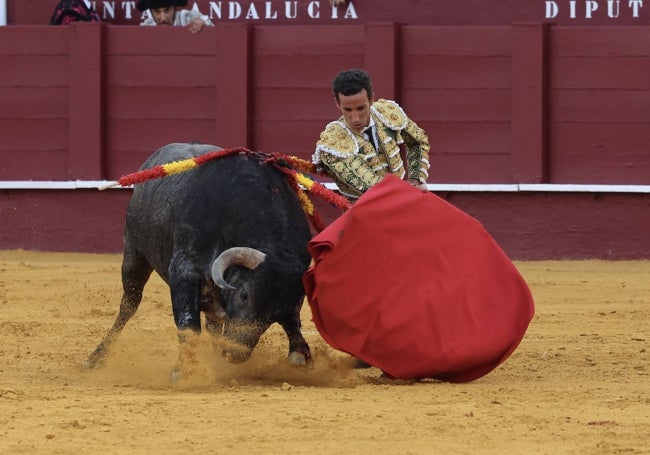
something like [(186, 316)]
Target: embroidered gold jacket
[(355, 165)]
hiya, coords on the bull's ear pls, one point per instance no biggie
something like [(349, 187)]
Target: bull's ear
[(244, 256)]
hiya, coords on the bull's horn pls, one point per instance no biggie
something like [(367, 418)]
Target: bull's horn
[(240, 255)]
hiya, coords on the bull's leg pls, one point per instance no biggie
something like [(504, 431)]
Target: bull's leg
[(185, 304), (136, 271), (215, 317), (186, 297), (211, 307), (299, 352)]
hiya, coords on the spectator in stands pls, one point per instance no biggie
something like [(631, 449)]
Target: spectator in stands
[(363, 145), (169, 12), (67, 11)]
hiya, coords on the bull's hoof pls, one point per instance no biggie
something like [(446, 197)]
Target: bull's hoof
[(97, 358), (236, 356), (360, 364), (298, 359), (233, 351), (92, 362), (175, 375)]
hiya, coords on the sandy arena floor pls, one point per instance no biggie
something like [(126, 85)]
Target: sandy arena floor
[(578, 384)]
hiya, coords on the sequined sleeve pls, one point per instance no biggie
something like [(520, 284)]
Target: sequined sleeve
[(408, 133), (417, 151)]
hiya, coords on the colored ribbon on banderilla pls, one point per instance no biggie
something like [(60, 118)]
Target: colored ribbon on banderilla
[(296, 171)]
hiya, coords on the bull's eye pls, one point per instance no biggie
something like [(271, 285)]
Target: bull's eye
[(243, 295)]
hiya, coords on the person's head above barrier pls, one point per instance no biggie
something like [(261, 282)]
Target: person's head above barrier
[(163, 12), (170, 12)]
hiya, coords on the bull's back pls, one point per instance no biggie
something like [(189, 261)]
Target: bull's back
[(149, 220), (156, 193), (231, 201)]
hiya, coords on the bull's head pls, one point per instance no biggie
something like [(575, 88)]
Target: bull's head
[(244, 324), (247, 257)]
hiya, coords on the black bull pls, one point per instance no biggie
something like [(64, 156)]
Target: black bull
[(230, 239)]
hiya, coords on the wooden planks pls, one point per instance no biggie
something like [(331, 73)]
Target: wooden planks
[(544, 103), (599, 102)]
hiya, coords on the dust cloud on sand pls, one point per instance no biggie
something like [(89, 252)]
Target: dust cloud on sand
[(578, 383)]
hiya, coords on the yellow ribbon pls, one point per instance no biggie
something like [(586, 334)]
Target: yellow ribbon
[(179, 166)]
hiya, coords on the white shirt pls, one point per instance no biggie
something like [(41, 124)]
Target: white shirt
[(371, 130), (183, 17)]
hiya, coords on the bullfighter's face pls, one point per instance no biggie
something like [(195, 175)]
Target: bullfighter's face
[(164, 16), (355, 109)]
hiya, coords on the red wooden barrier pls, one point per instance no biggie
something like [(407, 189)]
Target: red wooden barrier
[(527, 103), (529, 226), (599, 102)]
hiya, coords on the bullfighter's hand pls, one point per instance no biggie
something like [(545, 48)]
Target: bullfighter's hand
[(196, 25), (419, 185)]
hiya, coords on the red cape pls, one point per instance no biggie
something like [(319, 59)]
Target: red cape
[(410, 284)]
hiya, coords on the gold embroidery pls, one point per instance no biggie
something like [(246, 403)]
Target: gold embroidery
[(354, 163), (338, 139), (390, 114)]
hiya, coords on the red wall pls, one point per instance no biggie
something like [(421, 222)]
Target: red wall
[(528, 103), (599, 105), (520, 104), (528, 226)]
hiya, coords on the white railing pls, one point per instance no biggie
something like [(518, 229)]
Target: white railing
[(454, 187), (3, 12)]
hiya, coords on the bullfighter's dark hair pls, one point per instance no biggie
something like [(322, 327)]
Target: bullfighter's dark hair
[(351, 82), (144, 5)]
